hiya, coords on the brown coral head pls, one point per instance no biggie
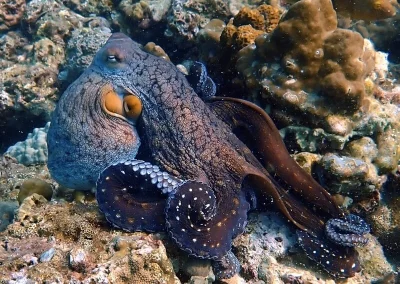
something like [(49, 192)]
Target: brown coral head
[(348, 95)]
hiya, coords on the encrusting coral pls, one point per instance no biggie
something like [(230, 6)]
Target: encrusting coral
[(248, 24), (11, 13), (369, 10)]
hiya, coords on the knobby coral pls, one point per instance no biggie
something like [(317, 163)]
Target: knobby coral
[(310, 66)]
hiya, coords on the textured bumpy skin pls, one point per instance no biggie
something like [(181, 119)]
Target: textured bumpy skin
[(83, 139), (194, 142)]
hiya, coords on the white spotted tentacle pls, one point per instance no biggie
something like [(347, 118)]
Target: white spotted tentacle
[(162, 180), (190, 221)]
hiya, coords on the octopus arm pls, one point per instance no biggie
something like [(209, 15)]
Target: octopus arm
[(268, 146), (339, 261), (200, 225), (293, 209), (128, 198)]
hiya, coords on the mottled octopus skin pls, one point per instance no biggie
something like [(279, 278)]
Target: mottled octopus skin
[(195, 142), (82, 139)]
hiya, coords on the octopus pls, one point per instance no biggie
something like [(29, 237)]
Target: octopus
[(171, 156)]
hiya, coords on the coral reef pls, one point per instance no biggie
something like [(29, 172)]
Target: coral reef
[(27, 84), (51, 37), (314, 55), (145, 13), (375, 267), (13, 174), (53, 20), (187, 18), (8, 166), (385, 220), (14, 47), (88, 8), (81, 47), (267, 252), (319, 82), (55, 232), (384, 34), (208, 41), (33, 150), (60, 241), (313, 78), (369, 10), (349, 176), (266, 235), (11, 13)]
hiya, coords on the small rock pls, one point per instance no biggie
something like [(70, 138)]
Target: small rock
[(78, 260), (47, 255)]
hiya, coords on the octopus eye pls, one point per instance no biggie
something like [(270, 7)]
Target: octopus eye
[(132, 107), (114, 55), (111, 58)]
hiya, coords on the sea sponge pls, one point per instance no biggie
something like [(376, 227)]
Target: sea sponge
[(248, 24), (264, 17), (248, 16), (271, 15), (245, 35), (27, 211)]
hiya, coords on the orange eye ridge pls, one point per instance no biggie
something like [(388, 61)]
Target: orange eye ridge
[(111, 101), (125, 105), (132, 107)]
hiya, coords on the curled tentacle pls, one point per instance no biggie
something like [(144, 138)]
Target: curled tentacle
[(347, 232), (202, 84), (226, 267), (195, 224), (339, 261), (133, 194)]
